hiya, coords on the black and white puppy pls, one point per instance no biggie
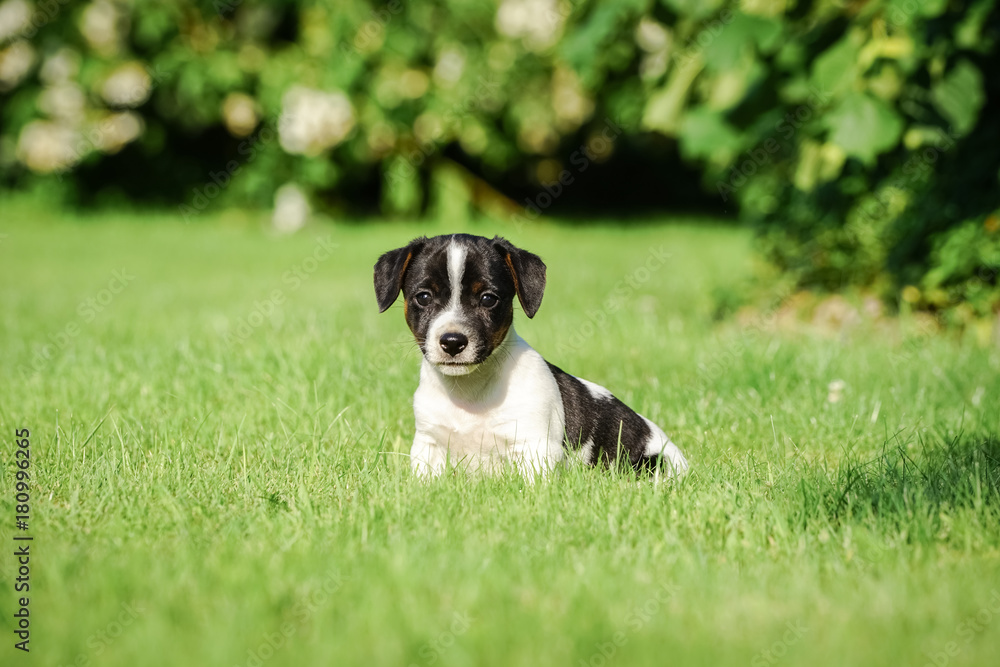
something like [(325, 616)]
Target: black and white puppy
[(486, 398)]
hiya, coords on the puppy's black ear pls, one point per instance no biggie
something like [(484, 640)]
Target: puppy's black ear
[(390, 269), (528, 271)]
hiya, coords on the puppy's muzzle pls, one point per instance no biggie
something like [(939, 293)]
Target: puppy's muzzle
[(454, 343)]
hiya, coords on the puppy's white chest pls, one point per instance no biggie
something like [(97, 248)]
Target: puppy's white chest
[(508, 413), (470, 435)]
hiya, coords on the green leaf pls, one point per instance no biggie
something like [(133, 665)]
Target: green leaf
[(665, 106), (707, 135), (969, 33), (959, 96), (834, 70), (585, 47), (731, 45), (727, 89), (864, 126)]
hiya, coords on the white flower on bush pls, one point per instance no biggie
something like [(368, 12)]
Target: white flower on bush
[(61, 66), (128, 85), (103, 25), (653, 65), (313, 121), (15, 63), (538, 23), (291, 208), (651, 36), (65, 101), (116, 130), (449, 67), (15, 17), (570, 103), (239, 113), (44, 146)]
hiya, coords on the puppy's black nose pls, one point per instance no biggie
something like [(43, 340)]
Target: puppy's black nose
[(453, 343)]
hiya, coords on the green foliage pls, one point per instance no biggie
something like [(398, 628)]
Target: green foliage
[(883, 171), (959, 96), (863, 127), (850, 133), (963, 270)]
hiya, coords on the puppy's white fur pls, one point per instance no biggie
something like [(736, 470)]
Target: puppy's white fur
[(450, 320), (508, 410)]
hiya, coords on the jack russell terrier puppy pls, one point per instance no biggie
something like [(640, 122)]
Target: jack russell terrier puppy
[(486, 398)]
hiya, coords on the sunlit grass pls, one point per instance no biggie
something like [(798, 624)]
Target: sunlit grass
[(220, 470)]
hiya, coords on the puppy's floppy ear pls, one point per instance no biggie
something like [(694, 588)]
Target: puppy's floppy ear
[(390, 269), (528, 271)]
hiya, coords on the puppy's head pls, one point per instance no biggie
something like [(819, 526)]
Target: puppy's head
[(458, 294)]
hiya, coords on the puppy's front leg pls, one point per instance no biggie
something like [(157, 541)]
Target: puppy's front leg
[(536, 458), (427, 459)]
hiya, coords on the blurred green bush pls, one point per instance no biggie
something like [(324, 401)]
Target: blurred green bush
[(859, 136)]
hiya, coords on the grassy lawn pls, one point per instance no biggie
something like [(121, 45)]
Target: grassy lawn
[(219, 420)]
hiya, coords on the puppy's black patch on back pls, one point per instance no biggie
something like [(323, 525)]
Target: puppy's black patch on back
[(601, 419)]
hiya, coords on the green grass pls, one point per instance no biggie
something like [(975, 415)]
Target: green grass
[(242, 493)]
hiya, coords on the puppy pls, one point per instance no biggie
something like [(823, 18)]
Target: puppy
[(486, 399)]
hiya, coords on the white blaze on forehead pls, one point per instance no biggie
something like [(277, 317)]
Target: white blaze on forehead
[(451, 319), (456, 269)]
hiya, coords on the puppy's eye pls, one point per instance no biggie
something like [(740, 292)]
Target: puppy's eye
[(488, 300), (423, 298)]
